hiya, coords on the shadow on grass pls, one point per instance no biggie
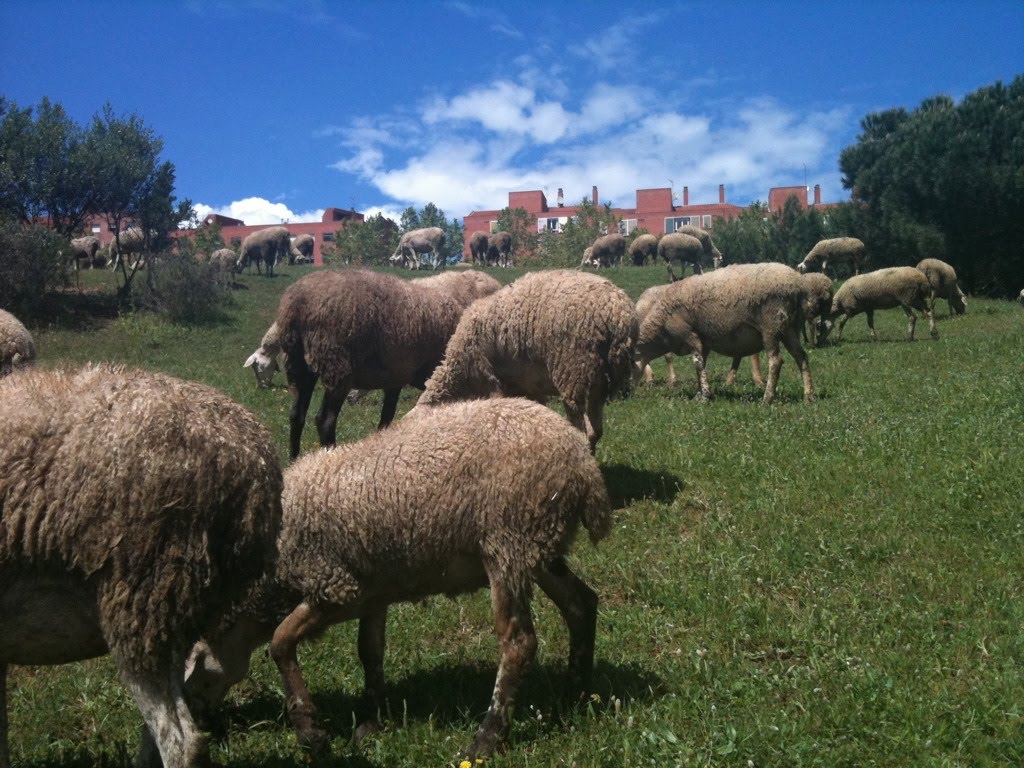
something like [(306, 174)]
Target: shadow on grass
[(75, 310), (627, 484)]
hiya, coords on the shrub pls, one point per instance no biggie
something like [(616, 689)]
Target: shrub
[(31, 266), (179, 286)]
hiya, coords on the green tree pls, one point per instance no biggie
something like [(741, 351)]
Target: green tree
[(432, 216), (523, 228), (565, 248), (366, 243), (744, 240)]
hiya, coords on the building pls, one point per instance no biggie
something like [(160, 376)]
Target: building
[(655, 210), (234, 231)]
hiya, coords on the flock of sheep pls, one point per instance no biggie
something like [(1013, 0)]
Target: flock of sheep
[(182, 569)]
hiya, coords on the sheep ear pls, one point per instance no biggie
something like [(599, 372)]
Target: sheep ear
[(252, 359)]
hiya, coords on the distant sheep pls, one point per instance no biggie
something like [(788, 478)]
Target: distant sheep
[(224, 261), (302, 250), (643, 249), (711, 253), (848, 249), (553, 332), (135, 510), (416, 241), (478, 248), (266, 247), (736, 311), (905, 287), (499, 249), (85, 249), (130, 241), (686, 249), (375, 523), (17, 348), (942, 279), (264, 360), (608, 250), (365, 330)]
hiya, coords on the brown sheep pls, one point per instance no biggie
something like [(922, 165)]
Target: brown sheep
[(686, 249), (499, 249), (848, 249), (643, 249), (608, 250), (302, 249), (478, 248)]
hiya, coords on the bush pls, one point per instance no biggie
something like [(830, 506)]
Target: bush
[(31, 266), (179, 286)]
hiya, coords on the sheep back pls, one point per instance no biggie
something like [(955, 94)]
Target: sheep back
[(269, 246), (882, 289), (835, 249), (608, 250), (678, 246), (463, 286), (943, 281), (16, 345), (157, 498), (706, 244), (642, 249)]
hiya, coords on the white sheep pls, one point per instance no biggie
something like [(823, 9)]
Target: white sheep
[(16, 345), (817, 305), (265, 247), (848, 249), (905, 287), (942, 279)]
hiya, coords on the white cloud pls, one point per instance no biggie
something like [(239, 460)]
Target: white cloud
[(257, 210)]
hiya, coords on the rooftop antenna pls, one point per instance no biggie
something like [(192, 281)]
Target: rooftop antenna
[(805, 175)]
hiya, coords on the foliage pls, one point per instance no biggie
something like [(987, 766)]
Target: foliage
[(946, 180), (565, 248), (183, 288), (432, 216), (365, 243), (758, 235), (202, 240), (523, 229), (31, 265)]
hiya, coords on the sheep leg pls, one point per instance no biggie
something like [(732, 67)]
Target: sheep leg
[(792, 342), (671, 379), (774, 367), (842, 324), (301, 384), (700, 357), (371, 655), (5, 755), (578, 605), (755, 370), (698, 269), (302, 622), (932, 330), (327, 416), (871, 323), (730, 377), (517, 644), (387, 411), (173, 732)]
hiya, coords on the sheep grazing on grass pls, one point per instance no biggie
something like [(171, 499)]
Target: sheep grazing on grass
[(264, 360), (736, 311), (374, 523), (364, 330), (416, 241), (17, 348), (643, 249), (1020, 296), (942, 279), (85, 249), (131, 241), (710, 252), (817, 305), (302, 250), (686, 249), (847, 249), (608, 250), (551, 333), (478, 248), (266, 247), (905, 287), (499, 249), (224, 261), (588, 260), (135, 510)]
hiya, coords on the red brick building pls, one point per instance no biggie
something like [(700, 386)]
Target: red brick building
[(654, 210)]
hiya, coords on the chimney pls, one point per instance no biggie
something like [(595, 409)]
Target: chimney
[(561, 198), (686, 196), (594, 194), (721, 194), (817, 194)]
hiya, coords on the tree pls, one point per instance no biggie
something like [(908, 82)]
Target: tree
[(523, 228), (432, 216), (366, 243), (565, 248)]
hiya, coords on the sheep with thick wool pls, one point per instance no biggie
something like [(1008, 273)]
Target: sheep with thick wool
[(85, 249), (375, 523), (478, 243), (266, 247), (16, 345), (558, 333), (686, 249), (302, 250), (364, 330), (817, 305), (130, 241), (499, 249), (836, 249), (643, 249), (608, 250), (942, 279), (710, 252), (736, 311), (905, 287), (135, 510)]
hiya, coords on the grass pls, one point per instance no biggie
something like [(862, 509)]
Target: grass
[(834, 584)]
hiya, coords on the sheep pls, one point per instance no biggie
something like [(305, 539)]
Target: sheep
[(499, 249), (364, 330), (268, 247), (224, 260), (17, 348), (264, 360), (686, 249), (301, 251), (848, 249), (85, 248), (416, 241), (735, 311), (588, 259), (608, 250), (706, 244), (478, 248), (647, 303), (817, 305), (642, 249), (942, 279), (905, 287), (135, 510), (1020, 296), (132, 240), (374, 523), (555, 332)]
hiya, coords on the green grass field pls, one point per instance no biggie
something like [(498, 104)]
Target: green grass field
[(834, 584)]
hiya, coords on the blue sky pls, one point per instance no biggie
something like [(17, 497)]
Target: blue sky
[(275, 110)]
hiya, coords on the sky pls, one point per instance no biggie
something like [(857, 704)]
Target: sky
[(272, 111)]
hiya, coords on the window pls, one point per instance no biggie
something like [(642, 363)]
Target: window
[(552, 224), (626, 226), (707, 222), (675, 222), (328, 237), (96, 229), (493, 226)]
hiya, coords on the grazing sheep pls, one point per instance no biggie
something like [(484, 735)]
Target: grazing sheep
[(905, 287), (848, 249), (556, 332), (268, 247), (608, 250), (1020, 296), (85, 248), (135, 510), (499, 249), (478, 248), (224, 260), (264, 360), (817, 305), (707, 245), (132, 240), (416, 241), (644, 248), (942, 279), (588, 260), (302, 250), (686, 249), (16, 345), (364, 330), (374, 523), (736, 311)]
